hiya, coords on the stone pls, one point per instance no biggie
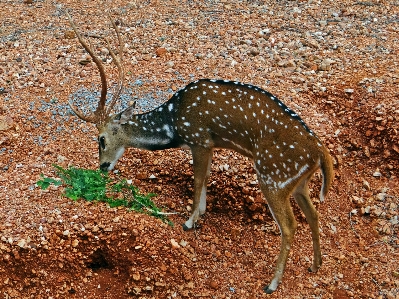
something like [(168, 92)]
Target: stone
[(6, 123), (161, 52)]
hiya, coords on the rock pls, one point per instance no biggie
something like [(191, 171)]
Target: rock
[(175, 245), (161, 52), (69, 34), (6, 123), (366, 185), (254, 51), (325, 65), (214, 284), (22, 243), (75, 243)]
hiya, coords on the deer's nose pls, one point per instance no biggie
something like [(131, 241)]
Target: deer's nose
[(104, 166)]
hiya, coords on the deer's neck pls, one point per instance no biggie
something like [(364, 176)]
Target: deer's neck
[(153, 130)]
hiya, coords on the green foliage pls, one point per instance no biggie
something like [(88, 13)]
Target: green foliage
[(46, 182), (96, 185)]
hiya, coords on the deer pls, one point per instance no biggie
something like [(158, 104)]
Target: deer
[(215, 113)]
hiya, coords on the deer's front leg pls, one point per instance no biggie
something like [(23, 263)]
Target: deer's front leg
[(202, 158)]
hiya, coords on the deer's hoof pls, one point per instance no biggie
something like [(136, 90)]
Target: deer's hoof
[(267, 290), (185, 227)]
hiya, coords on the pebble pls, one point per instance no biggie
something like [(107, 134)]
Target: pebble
[(175, 245), (6, 123), (75, 243), (161, 52)]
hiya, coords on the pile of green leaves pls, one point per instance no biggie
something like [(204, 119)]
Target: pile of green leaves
[(96, 185)]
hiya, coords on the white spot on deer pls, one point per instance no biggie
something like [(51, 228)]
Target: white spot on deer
[(187, 124), (282, 185), (241, 108), (238, 146), (210, 86), (206, 112), (223, 93), (170, 107), (251, 97), (292, 146), (204, 92), (215, 91), (168, 131), (198, 98), (245, 117), (213, 80), (194, 104), (254, 114)]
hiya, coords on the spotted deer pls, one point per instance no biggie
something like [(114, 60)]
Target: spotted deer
[(208, 114)]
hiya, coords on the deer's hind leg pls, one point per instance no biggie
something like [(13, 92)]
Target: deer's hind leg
[(301, 195), (280, 207)]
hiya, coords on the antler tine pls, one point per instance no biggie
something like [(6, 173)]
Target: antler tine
[(118, 62), (99, 114)]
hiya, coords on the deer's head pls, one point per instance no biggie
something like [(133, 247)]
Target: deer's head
[(110, 139)]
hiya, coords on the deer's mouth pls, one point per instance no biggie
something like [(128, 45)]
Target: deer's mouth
[(105, 166)]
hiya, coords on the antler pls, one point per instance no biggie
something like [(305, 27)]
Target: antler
[(101, 113)]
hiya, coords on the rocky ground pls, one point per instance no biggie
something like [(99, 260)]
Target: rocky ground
[(334, 62)]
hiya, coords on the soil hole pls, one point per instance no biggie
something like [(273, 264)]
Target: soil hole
[(98, 260)]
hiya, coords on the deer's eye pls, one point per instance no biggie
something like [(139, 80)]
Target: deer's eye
[(102, 142)]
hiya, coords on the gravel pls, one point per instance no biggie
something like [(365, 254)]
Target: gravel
[(334, 62)]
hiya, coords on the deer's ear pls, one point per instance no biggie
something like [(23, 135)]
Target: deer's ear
[(127, 114)]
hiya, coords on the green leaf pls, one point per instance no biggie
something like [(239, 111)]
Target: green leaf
[(95, 185)]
